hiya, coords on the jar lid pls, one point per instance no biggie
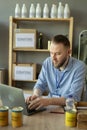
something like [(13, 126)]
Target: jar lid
[(4, 108), (17, 109)]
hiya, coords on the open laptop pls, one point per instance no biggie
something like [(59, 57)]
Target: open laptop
[(14, 97)]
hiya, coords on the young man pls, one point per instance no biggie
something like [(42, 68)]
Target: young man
[(61, 74)]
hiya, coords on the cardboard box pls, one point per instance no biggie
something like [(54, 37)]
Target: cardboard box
[(82, 125), (24, 72), (82, 119), (82, 116), (24, 38)]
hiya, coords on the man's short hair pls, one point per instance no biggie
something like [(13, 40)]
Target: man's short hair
[(61, 39)]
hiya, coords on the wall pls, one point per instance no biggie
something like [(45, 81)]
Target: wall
[(7, 7)]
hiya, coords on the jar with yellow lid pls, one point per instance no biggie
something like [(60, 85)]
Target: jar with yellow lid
[(17, 117), (4, 115)]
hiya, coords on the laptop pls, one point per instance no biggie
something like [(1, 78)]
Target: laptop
[(14, 97)]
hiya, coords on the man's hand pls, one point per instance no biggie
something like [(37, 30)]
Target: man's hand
[(38, 103), (30, 98)]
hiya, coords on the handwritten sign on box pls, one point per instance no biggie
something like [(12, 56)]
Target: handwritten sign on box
[(24, 38), (24, 72)]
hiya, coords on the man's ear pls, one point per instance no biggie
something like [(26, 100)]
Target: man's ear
[(69, 51)]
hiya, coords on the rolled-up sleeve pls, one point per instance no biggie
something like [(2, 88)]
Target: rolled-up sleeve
[(41, 82)]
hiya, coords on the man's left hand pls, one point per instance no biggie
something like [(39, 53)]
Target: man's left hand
[(39, 103)]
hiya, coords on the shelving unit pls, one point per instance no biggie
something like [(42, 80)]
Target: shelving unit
[(41, 24)]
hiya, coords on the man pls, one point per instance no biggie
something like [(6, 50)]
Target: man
[(61, 74)]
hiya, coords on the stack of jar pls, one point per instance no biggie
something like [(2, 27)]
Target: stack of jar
[(37, 12)]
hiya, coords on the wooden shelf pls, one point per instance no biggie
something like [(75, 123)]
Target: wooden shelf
[(40, 19), (25, 80), (31, 50), (15, 53)]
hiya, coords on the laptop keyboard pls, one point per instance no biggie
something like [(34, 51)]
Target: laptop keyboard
[(33, 111), (30, 111)]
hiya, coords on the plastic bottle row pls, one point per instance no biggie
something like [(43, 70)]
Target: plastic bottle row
[(59, 11)]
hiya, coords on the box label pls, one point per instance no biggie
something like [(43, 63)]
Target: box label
[(25, 40), (23, 73)]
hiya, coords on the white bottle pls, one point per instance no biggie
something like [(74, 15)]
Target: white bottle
[(24, 11), (17, 11), (32, 11), (66, 11), (60, 13), (38, 11), (45, 11), (70, 103), (53, 13)]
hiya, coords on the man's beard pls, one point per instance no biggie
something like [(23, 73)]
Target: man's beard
[(61, 64)]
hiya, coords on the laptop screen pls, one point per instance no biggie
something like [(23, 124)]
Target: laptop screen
[(12, 97)]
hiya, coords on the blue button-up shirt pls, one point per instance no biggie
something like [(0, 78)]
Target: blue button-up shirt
[(69, 81)]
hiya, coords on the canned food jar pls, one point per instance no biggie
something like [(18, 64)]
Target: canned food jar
[(17, 117), (70, 118), (4, 115)]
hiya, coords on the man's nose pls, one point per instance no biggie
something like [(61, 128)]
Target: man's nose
[(54, 56)]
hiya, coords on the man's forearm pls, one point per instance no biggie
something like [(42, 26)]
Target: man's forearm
[(49, 101), (57, 101), (37, 92)]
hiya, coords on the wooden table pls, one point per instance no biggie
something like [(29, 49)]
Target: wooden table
[(42, 121)]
